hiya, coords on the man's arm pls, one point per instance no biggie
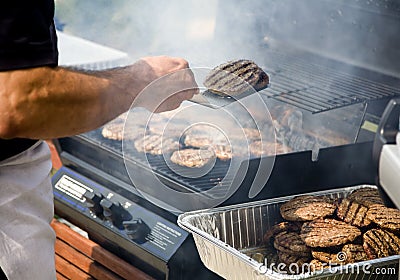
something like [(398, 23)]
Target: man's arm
[(45, 102)]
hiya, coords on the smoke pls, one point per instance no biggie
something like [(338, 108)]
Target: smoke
[(210, 32), (204, 32)]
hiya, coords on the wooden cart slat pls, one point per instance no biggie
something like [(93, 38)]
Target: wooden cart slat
[(80, 258)]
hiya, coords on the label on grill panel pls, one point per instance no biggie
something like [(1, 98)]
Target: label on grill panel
[(163, 236), (72, 188)]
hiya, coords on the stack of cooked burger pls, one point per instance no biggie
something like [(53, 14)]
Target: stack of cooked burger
[(322, 232)]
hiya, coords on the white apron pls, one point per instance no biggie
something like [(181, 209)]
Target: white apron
[(26, 209)]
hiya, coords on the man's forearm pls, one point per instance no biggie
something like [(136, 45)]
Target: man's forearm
[(45, 102)]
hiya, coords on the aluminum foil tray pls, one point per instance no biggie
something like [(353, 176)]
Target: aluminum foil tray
[(224, 235)]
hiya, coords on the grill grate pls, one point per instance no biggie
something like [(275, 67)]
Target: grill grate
[(185, 179), (180, 178), (316, 88)]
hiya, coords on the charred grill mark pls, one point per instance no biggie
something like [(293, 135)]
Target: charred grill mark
[(307, 207), (380, 243), (156, 144), (236, 77), (232, 80), (246, 72), (348, 205), (388, 218), (382, 248), (353, 213), (370, 245), (228, 71), (392, 241), (366, 196), (328, 232), (290, 242), (215, 80), (226, 66), (365, 221)]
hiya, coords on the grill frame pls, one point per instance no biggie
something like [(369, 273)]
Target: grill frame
[(352, 161)]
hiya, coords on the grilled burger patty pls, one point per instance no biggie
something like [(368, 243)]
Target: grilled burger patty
[(352, 233), (327, 255), (307, 208), (192, 157), (222, 151), (291, 243), (198, 140), (156, 144), (281, 227), (264, 253), (236, 77), (289, 259), (379, 243), (353, 213), (113, 131), (366, 196), (328, 232), (387, 218)]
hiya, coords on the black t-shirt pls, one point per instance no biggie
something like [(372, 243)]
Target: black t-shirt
[(27, 39)]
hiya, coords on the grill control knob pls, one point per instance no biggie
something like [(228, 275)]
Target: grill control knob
[(93, 202), (114, 212), (137, 230)]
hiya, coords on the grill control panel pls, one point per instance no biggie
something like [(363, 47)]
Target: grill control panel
[(125, 225)]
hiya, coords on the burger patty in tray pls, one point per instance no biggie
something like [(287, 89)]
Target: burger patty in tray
[(307, 208), (328, 232), (353, 213)]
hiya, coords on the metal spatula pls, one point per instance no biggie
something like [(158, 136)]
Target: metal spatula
[(215, 101)]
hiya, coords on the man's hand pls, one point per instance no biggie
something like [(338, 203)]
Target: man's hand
[(164, 83)]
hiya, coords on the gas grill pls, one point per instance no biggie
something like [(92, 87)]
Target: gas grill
[(117, 194)]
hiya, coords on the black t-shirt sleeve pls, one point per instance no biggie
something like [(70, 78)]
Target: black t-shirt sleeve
[(27, 34), (27, 39)]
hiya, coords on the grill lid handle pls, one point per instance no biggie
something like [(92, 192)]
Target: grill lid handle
[(386, 134)]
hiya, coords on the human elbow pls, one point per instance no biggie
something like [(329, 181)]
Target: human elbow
[(9, 121), (8, 128)]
